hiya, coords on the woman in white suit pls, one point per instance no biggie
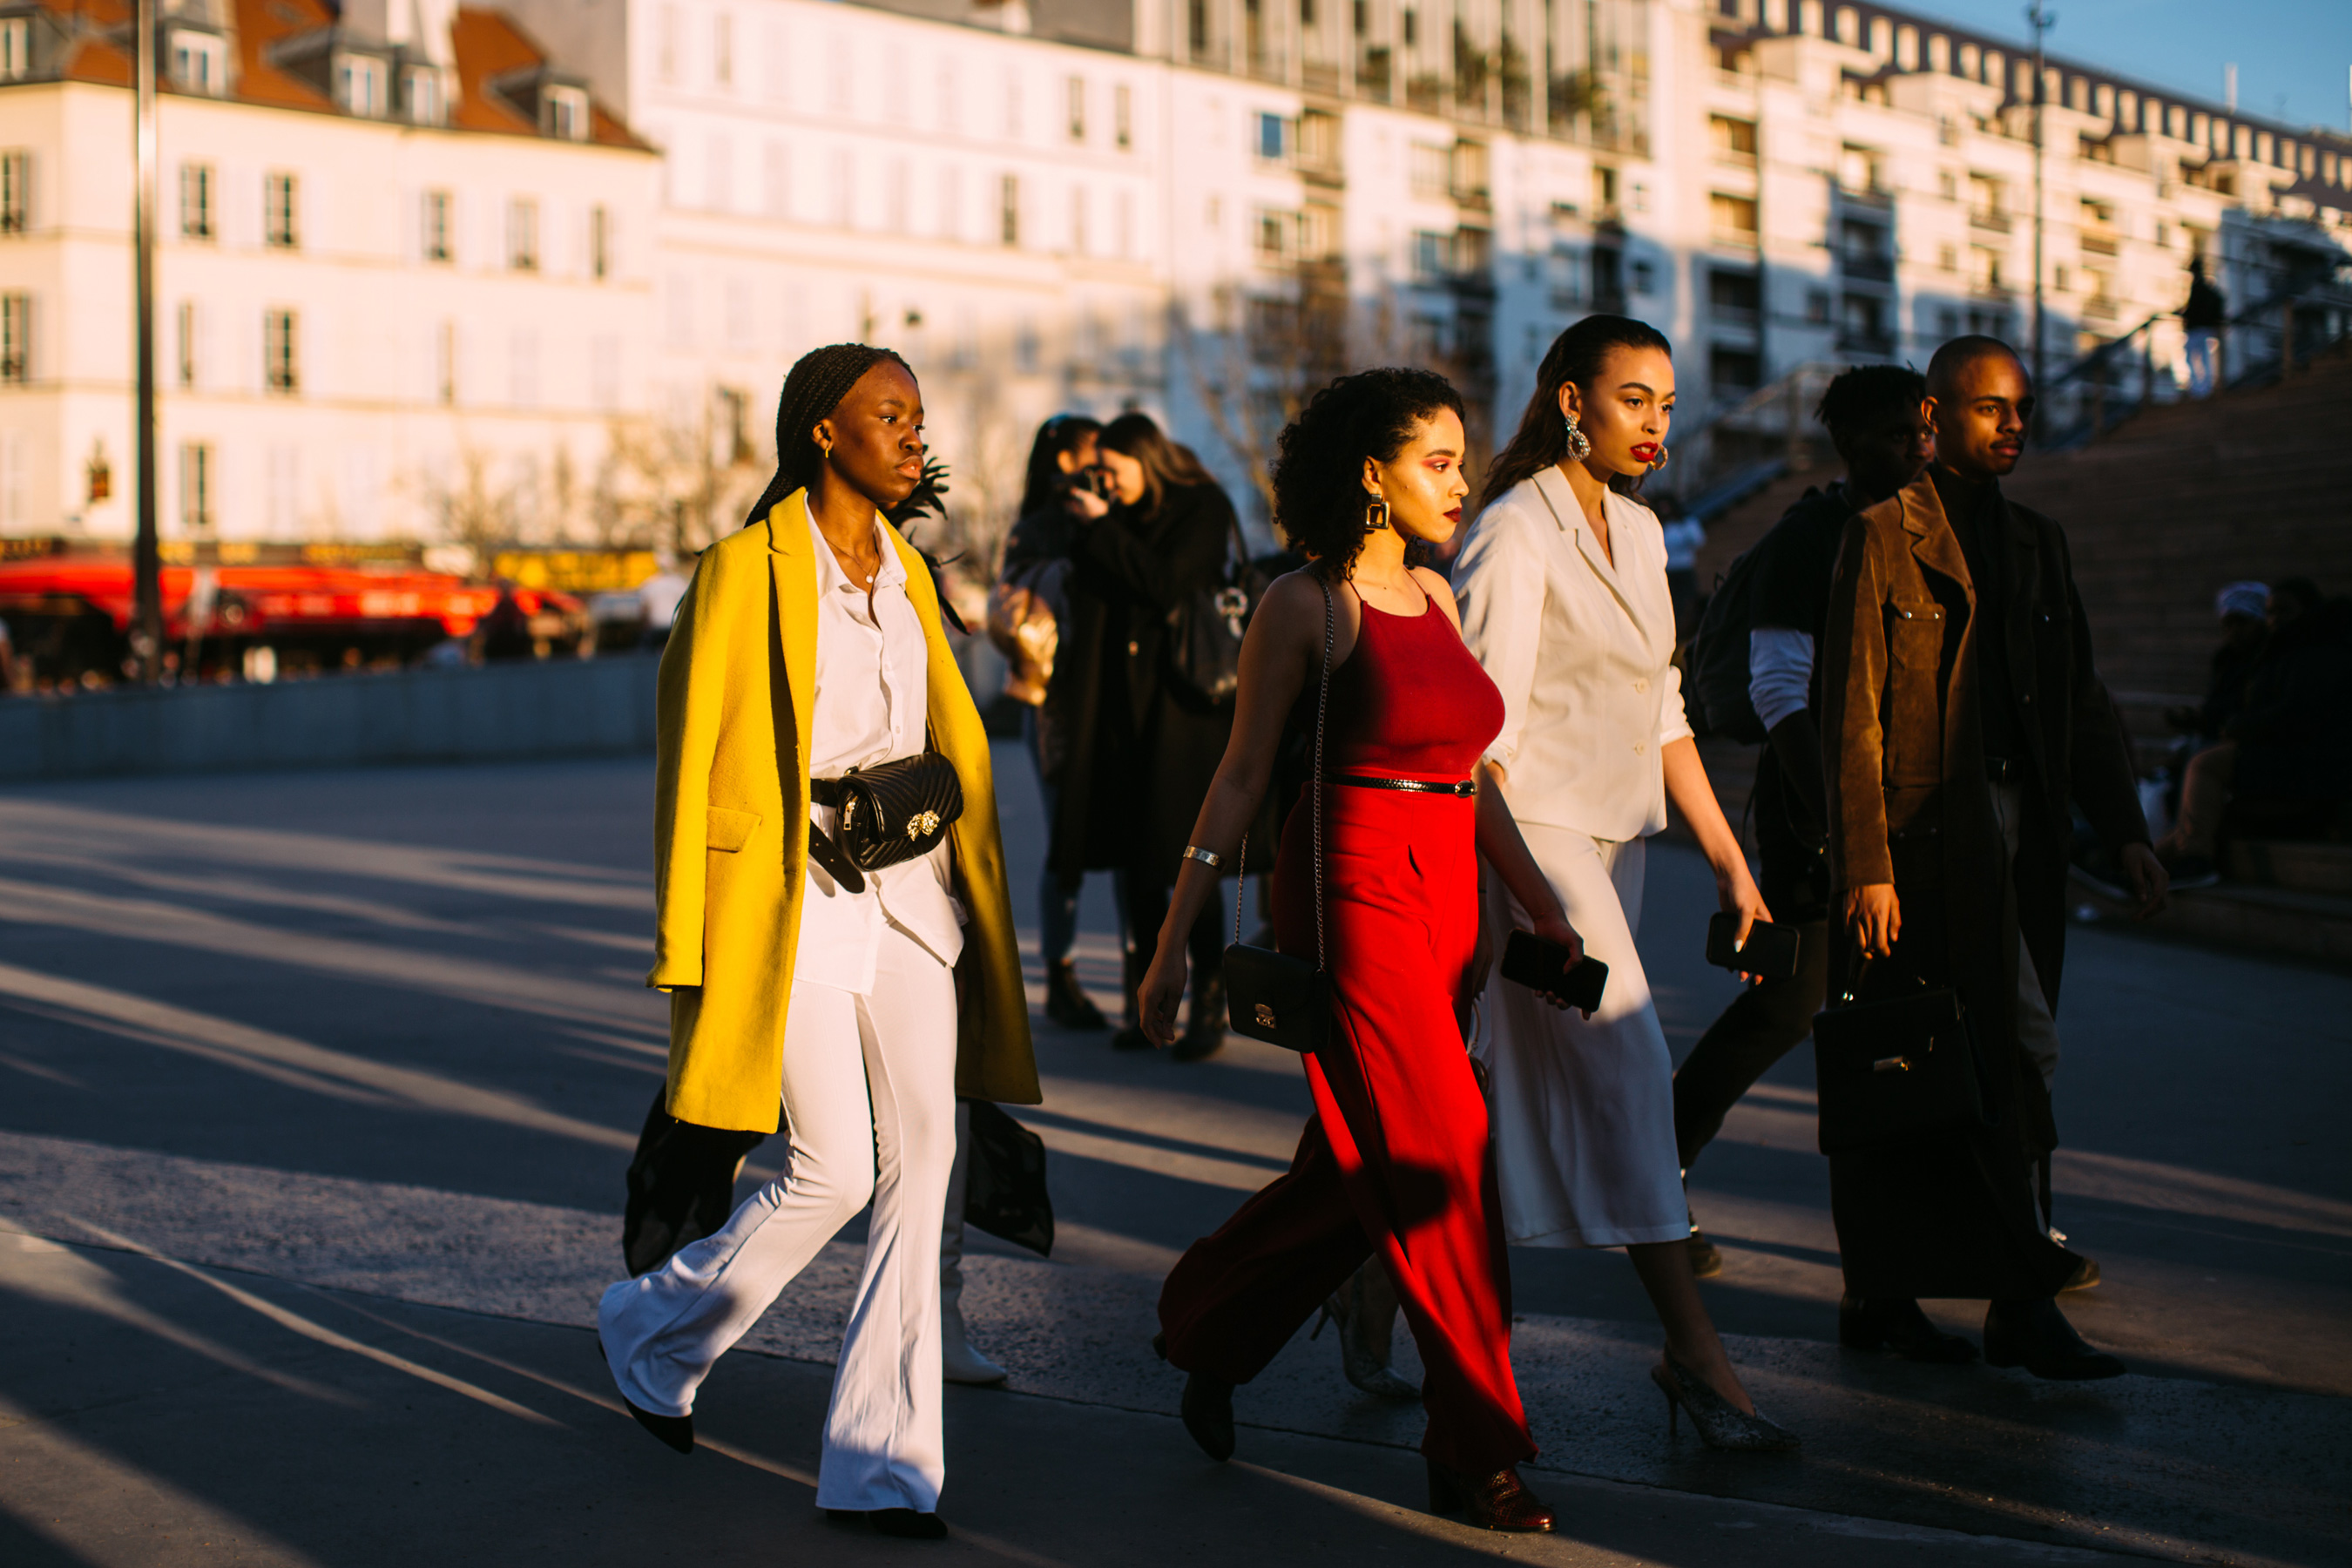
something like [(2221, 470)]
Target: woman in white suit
[(1563, 589)]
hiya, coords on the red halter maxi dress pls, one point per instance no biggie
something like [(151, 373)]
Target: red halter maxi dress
[(1397, 1155)]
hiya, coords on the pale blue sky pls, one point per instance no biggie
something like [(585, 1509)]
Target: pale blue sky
[(2296, 49)]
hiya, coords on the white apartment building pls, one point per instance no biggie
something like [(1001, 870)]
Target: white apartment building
[(1872, 177), (402, 274), (1199, 207)]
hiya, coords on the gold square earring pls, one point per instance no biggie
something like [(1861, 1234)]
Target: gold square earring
[(1376, 514)]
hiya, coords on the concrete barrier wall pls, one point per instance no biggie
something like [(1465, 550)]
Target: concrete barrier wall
[(505, 713)]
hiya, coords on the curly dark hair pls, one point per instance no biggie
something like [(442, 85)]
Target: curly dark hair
[(1319, 489)]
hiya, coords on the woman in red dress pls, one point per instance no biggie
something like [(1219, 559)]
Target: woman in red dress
[(1396, 1158)]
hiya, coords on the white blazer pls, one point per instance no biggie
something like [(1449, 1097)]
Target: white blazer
[(1581, 649)]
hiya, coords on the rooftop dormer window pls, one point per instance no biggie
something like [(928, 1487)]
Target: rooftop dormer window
[(563, 113), (16, 48), (422, 96), (362, 86), (199, 62)]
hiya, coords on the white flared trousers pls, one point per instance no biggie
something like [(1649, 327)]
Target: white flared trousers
[(869, 1100)]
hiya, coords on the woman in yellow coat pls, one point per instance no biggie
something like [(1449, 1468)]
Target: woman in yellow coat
[(809, 644)]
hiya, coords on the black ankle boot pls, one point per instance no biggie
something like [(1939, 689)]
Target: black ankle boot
[(2036, 1336), (1901, 1327), (1067, 1001), (1204, 1032)]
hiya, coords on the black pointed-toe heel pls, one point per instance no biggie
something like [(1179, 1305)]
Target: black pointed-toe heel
[(675, 1431), (1207, 1407)]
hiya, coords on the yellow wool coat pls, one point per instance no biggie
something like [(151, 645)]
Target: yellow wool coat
[(732, 825)]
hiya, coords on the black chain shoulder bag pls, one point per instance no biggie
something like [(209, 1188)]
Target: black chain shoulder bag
[(1275, 997)]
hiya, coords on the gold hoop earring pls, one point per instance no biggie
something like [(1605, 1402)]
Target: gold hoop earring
[(1376, 514), (1580, 445), (1660, 461)]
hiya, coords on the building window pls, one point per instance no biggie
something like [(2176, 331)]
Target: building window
[(281, 368), (1273, 234), (522, 234), (1735, 139), (1009, 210), (1431, 170), (16, 48), (197, 486), (1122, 116), (426, 103), (188, 326), (1079, 220), (600, 243), (1433, 255), (444, 365), (563, 113), (437, 245), (1276, 138), (722, 50), (196, 201), (279, 200), (1734, 370), (16, 338), (1196, 25), (360, 82), (199, 62), (1078, 108), (1735, 218), (15, 191)]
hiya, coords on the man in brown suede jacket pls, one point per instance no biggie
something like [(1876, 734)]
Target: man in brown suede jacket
[(1961, 715)]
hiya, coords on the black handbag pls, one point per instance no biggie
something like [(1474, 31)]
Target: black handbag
[(891, 812), (1004, 1182), (1206, 631), (1275, 997), (1895, 1067)]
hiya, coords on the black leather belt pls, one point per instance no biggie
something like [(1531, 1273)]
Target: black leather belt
[(825, 792), (1463, 788)]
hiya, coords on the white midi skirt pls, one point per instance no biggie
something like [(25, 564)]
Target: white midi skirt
[(1583, 1108)]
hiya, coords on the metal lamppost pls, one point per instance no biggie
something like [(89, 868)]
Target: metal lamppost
[(147, 563), (2041, 18)]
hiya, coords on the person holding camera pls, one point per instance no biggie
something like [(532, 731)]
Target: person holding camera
[(1141, 747), (807, 953), (1565, 602), (1027, 612)]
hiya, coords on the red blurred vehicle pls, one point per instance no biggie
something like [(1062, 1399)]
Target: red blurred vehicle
[(69, 613)]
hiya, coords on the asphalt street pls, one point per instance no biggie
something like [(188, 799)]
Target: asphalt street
[(315, 1091)]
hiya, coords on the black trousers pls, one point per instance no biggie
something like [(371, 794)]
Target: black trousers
[(1762, 1025), (1147, 909)]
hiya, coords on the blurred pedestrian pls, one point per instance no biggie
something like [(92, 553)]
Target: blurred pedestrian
[(819, 963), (2281, 763), (1026, 613), (505, 633), (1872, 416), (2202, 318), (1364, 647), (1962, 721), (1684, 537), (1564, 601), (7, 662), (1142, 749), (657, 600)]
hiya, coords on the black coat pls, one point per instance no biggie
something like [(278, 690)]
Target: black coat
[(1140, 755)]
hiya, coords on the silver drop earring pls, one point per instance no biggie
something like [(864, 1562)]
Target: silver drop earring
[(1580, 445)]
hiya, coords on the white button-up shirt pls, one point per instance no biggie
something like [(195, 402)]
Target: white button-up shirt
[(1582, 646), (872, 696)]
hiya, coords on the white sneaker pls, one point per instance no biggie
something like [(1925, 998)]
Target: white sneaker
[(958, 1363)]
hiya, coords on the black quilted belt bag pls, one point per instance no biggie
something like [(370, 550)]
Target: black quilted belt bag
[(891, 811)]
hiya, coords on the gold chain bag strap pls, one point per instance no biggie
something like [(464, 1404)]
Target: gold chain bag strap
[(1275, 997)]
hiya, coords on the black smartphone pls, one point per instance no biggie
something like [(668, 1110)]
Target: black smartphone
[(1770, 953), (1543, 965)]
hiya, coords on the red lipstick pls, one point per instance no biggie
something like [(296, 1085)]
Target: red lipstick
[(1646, 452)]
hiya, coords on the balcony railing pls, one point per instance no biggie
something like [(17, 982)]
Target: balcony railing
[(1854, 341), (1991, 220), (2095, 242), (1868, 267)]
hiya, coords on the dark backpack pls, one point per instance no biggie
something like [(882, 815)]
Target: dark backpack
[(1715, 690)]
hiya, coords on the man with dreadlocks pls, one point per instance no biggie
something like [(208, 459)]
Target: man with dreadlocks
[(808, 970)]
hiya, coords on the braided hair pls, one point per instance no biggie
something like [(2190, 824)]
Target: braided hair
[(819, 380)]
